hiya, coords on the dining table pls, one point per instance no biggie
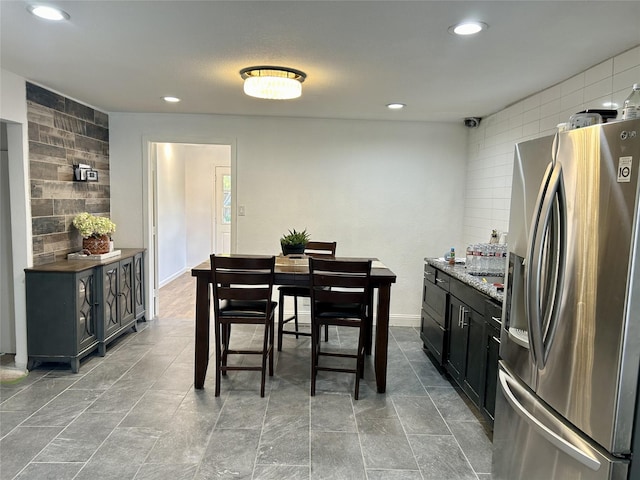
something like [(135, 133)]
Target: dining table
[(293, 270)]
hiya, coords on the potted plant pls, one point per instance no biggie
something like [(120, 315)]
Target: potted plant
[(96, 232), (294, 242)]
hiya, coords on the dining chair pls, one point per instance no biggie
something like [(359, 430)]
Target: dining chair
[(340, 296), (242, 289), (312, 249)]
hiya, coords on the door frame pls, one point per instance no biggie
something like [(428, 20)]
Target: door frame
[(149, 214)]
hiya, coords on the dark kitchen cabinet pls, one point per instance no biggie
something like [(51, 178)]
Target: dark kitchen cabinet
[(75, 307), (466, 348), (435, 301), (460, 329), (492, 342)]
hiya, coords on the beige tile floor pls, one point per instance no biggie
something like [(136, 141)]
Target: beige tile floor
[(134, 414)]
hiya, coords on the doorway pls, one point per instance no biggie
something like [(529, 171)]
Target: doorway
[(192, 214), (7, 316)]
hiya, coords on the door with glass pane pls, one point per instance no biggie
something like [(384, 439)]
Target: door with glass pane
[(223, 210)]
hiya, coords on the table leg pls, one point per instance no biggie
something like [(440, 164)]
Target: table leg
[(382, 336), (202, 331)]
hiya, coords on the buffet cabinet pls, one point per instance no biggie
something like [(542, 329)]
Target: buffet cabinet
[(75, 307), (460, 330)]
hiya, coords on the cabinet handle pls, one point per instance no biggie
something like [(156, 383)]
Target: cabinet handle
[(439, 280), (497, 319), (464, 313), (495, 339), (428, 273)]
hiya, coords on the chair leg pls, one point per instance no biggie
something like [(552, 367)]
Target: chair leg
[(226, 338), (360, 361), (218, 329), (271, 338), (295, 313), (314, 355), (280, 320), (326, 333), (265, 354)]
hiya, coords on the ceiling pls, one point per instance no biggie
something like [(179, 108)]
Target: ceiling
[(123, 56)]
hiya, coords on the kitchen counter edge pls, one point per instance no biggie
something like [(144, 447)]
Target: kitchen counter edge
[(459, 272)]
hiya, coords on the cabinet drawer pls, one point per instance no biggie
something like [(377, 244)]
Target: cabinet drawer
[(493, 314), (429, 273), (434, 301), (433, 335)]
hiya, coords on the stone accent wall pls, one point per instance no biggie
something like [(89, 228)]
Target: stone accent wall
[(63, 132)]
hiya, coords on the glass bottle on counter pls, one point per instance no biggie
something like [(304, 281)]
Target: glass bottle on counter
[(631, 106), (452, 256)]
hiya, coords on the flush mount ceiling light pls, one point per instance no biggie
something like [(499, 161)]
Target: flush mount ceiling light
[(468, 28), (395, 106), (48, 13), (273, 83), (170, 99)]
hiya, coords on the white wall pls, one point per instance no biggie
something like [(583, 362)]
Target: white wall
[(491, 146), (392, 190), (13, 110), (172, 223), (7, 315)]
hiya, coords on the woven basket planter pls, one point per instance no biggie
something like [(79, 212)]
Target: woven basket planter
[(96, 245)]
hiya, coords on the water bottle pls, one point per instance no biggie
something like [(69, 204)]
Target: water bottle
[(631, 106)]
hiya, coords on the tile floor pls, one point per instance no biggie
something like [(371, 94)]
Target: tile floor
[(134, 414)]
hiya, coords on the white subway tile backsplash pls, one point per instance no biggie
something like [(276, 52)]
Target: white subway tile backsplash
[(597, 90), (626, 60), (625, 80), (491, 146), (572, 85), (602, 71)]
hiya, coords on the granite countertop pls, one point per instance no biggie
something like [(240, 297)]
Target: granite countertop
[(458, 271)]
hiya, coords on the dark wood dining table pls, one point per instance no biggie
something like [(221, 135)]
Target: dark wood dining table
[(294, 271)]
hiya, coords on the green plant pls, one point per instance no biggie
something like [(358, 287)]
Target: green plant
[(295, 238), (92, 226)]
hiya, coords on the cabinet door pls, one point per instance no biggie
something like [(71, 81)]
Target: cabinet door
[(126, 291), (110, 288), (473, 384), (138, 285), (491, 371), (85, 309), (457, 339), (433, 337)]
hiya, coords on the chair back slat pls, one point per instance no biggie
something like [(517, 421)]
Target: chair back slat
[(242, 278), (339, 282), (320, 249)]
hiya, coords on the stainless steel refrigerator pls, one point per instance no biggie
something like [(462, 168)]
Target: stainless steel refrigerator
[(567, 403)]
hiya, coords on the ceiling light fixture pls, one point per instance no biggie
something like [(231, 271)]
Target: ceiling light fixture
[(395, 106), (171, 99), (273, 83), (48, 13), (468, 28), (610, 105)]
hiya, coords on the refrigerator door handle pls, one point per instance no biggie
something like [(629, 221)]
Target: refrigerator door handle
[(567, 447), (538, 315), (532, 272)]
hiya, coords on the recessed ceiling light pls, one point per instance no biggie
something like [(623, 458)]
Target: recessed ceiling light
[(171, 99), (468, 28), (395, 106), (48, 12)]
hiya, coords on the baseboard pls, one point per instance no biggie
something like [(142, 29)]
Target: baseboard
[(172, 278)]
